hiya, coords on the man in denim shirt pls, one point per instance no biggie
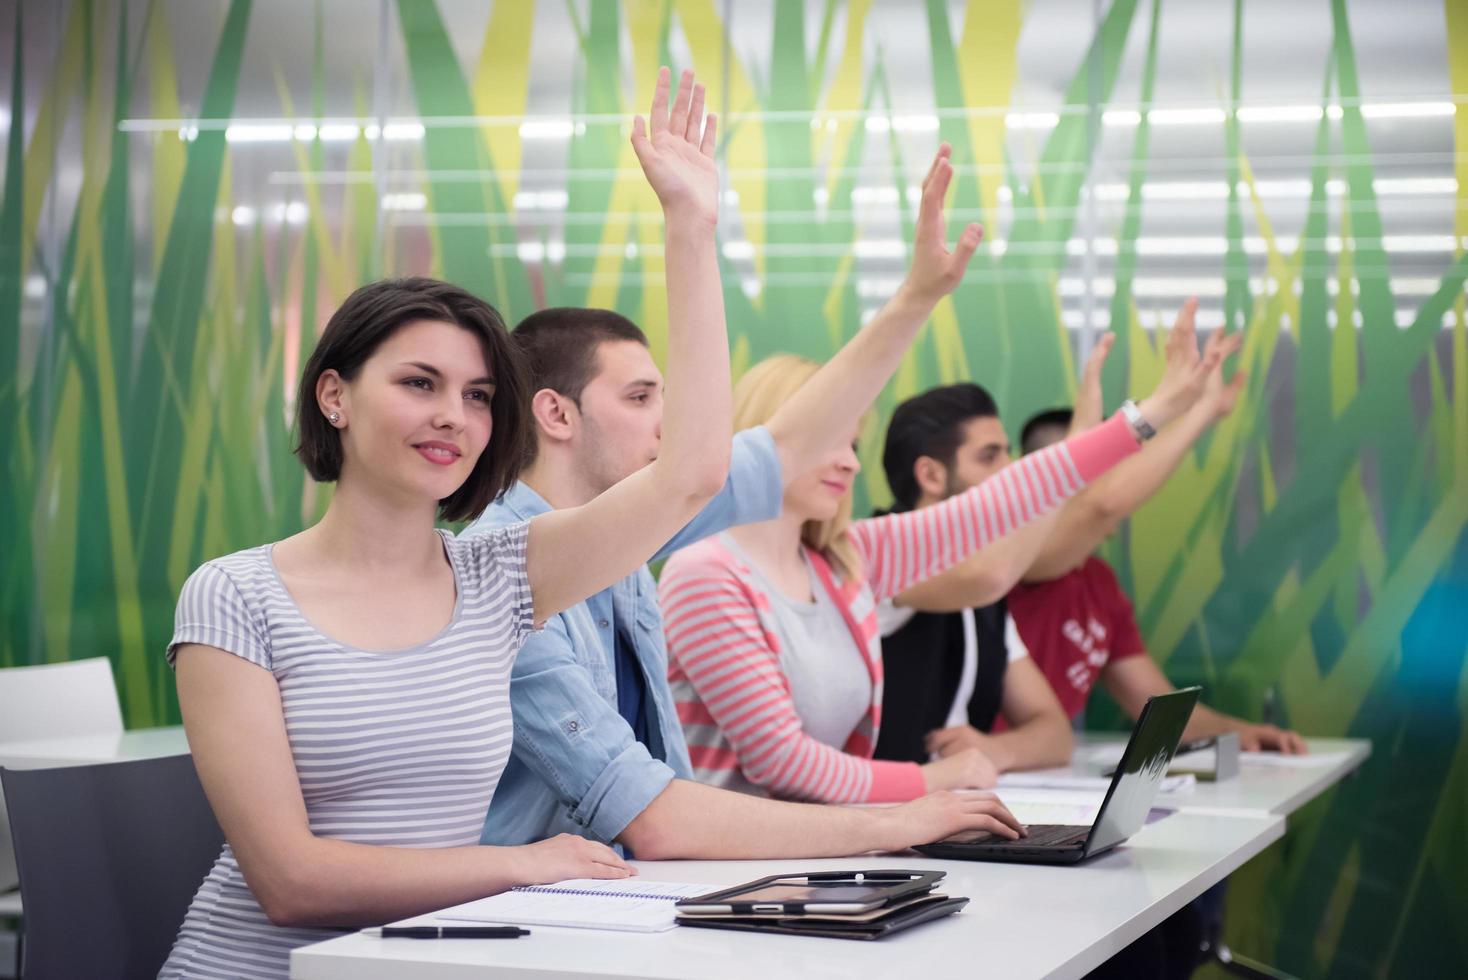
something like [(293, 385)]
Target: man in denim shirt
[(599, 749)]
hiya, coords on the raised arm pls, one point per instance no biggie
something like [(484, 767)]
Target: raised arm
[(820, 414), (987, 575), (576, 552), (1094, 514), (901, 550)]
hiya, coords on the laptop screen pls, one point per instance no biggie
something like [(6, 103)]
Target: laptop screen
[(1143, 764)]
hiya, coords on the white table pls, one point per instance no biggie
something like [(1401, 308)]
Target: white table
[(79, 750), (82, 750), (1256, 790), (1023, 921)]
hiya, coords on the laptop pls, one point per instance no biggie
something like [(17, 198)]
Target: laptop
[(1128, 799)]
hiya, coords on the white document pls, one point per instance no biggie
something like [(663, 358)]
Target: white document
[(623, 905), (1110, 755), (1049, 779), (1275, 760)]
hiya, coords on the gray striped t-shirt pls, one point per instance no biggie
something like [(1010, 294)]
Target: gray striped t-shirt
[(399, 748)]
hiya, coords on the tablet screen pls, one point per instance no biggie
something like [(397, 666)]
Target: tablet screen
[(810, 893)]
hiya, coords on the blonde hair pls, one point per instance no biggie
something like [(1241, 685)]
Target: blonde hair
[(757, 397)]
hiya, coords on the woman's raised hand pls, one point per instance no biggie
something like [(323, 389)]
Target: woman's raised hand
[(936, 271), (1186, 372), (676, 150), (1089, 410)]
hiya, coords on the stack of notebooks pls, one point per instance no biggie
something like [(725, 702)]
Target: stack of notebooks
[(836, 905), (842, 905)]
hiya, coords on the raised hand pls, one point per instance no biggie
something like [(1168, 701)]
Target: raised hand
[(936, 271), (1219, 397), (1186, 371), (1088, 409), (676, 150)]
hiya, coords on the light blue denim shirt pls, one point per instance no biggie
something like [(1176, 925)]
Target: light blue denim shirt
[(576, 767)]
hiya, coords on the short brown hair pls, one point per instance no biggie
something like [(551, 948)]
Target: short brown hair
[(560, 345), (370, 316)]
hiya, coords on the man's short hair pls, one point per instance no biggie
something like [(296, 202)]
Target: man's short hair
[(560, 345), (930, 424), (1037, 435)]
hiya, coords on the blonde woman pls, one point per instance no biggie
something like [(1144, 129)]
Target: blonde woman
[(774, 653)]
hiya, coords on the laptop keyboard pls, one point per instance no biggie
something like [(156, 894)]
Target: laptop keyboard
[(1042, 835)]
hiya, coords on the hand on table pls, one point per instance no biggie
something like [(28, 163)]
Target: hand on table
[(943, 814), (964, 768), (569, 856), (1268, 738)]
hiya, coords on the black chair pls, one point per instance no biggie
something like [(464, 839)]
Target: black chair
[(109, 858)]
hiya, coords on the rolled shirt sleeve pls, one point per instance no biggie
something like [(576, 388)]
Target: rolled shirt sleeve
[(572, 740)]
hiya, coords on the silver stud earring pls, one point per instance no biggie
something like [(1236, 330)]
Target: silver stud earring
[(334, 418)]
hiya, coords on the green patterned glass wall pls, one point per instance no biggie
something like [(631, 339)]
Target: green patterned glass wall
[(190, 187)]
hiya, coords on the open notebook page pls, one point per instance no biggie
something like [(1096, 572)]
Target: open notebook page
[(623, 905)]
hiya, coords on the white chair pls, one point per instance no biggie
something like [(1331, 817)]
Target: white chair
[(72, 699), (61, 700)]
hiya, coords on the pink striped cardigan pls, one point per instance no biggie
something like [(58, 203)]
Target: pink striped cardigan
[(733, 697)]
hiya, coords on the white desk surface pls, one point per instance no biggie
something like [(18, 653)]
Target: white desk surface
[(1257, 790), (80, 750), (1022, 921)]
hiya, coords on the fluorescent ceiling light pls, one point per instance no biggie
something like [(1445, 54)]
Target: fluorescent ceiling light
[(337, 132), (296, 212), (874, 195), (547, 129), (1407, 110), (880, 248), (404, 201), (1280, 113), (1031, 120), (258, 133), (1121, 117), (403, 131), (738, 249), (1416, 185), (1185, 117), (550, 200), (242, 216)]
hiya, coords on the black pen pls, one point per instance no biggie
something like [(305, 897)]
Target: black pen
[(448, 932)]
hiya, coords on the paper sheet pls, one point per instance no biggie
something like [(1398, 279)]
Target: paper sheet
[(624, 905), (1053, 779)]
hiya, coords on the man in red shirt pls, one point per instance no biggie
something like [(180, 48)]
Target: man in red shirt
[(1075, 627), (1069, 607)]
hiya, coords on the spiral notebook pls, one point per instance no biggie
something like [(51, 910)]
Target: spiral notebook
[(624, 905)]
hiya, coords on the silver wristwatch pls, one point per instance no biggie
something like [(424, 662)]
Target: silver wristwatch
[(1141, 428)]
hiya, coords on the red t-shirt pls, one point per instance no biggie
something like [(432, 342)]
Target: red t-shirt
[(1074, 626)]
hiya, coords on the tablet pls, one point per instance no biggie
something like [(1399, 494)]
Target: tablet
[(826, 892)]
